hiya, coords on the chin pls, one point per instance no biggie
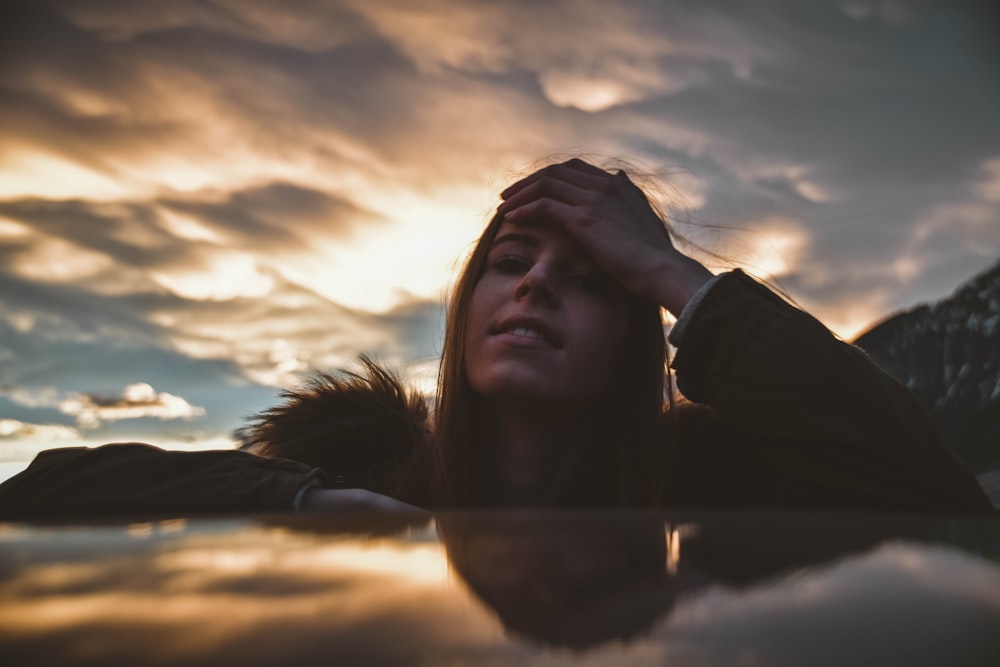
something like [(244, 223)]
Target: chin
[(520, 385), (533, 389)]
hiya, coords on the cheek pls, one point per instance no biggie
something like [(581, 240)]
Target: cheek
[(478, 306), (606, 326), (482, 302)]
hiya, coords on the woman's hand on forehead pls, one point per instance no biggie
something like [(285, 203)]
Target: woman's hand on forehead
[(610, 217)]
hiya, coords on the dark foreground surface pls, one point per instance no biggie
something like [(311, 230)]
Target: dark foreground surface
[(491, 589)]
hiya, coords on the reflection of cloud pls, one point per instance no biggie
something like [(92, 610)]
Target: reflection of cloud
[(413, 564), (921, 605), (250, 596), (136, 401), (196, 592)]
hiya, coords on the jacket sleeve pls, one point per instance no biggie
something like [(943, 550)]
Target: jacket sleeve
[(131, 479), (817, 422)]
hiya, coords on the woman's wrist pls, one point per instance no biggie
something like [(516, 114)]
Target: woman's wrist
[(680, 326), (676, 280), (352, 500)]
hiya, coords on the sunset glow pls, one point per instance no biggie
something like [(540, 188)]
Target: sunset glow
[(213, 199)]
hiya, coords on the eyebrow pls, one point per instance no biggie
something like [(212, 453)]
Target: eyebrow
[(515, 237), (532, 241)]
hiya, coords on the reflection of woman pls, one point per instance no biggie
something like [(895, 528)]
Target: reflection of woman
[(574, 581), (580, 580), (552, 385)]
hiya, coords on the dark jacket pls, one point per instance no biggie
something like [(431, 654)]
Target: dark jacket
[(789, 416), (783, 415)]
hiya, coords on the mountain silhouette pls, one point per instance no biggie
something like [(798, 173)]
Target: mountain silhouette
[(948, 354)]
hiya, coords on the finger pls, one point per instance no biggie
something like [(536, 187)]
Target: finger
[(550, 188), (574, 171), (585, 167), (551, 210), (636, 197)]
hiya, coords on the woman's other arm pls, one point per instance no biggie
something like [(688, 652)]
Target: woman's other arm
[(823, 420), (130, 479)]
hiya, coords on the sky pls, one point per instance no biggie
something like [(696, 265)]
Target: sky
[(200, 201)]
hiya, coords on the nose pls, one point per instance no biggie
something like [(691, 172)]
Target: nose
[(537, 284)]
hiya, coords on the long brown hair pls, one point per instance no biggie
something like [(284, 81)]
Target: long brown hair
[(623, 463)]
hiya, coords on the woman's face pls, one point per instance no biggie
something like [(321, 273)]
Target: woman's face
[(545, 324)]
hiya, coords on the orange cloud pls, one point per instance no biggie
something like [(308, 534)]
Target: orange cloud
[(136, 401)]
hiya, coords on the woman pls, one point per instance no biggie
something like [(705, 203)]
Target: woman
[(554, 355), (552, 388)]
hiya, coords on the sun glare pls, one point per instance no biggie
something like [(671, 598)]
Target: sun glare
[(773, 252), (414, 255), (585, 94), (36, 174), (424, 563), (229, 276), (851, 322)]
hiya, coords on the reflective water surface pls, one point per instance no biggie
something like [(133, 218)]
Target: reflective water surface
[(500, 588)]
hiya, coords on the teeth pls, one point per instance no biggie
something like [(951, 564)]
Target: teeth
[(528, 333)]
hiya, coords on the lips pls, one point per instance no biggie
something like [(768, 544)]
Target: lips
[(528, 327)]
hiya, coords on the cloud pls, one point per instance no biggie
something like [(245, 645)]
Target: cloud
[(135, 401), (216, 197), (193, 344), (12, 429), (891, 11), (277, 340), (61, 352), (318, 26), (577, 60), (275, 215), (142, 115), (21, 440), (199, 246)]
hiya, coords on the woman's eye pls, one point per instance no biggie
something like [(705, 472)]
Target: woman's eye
[(511, 264)]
